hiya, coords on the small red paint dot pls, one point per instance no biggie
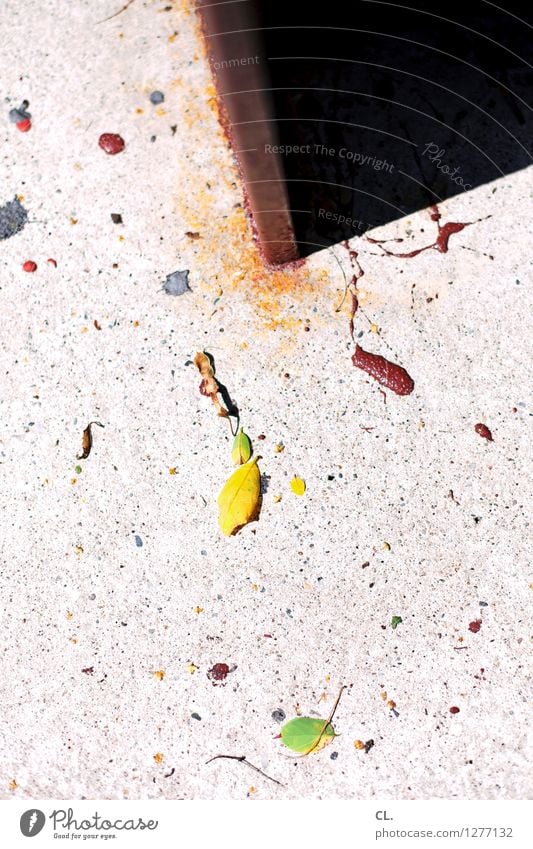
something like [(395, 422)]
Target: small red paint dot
[(218, 672), (475, 626), (483, 431), (52, 262), (454, 710), (111, 143), (24, 125), (29, 265)]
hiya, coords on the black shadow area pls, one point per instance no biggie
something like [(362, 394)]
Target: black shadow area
[(383, 109)]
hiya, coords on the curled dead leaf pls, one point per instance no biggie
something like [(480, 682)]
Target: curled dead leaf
[(209, 385)]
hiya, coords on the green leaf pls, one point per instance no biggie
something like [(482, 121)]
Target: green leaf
[(305, 735), (78, 470), (242, 448), (395, 621)]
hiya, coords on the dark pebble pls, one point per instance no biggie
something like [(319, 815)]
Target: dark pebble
[(13, 217), (278, 715), (334, 756), (116, 218), (138, 541), (157, 97), (17, 115), (177, 283), (196, 716)]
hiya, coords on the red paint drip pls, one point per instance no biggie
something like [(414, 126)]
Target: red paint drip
[(475, 626), (454, 709), (444, 233), (218, 673), (381, 241), (112, 143), (483, 431), (389, 374), (29, 265), (23, 125), (356, 276), (393, 376)]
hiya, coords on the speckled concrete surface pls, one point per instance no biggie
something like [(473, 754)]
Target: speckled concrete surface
[(301, 601)]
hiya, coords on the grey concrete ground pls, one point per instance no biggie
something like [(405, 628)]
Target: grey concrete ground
[(301, 601)]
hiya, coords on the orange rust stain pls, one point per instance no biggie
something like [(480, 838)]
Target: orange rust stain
[(210, 200)]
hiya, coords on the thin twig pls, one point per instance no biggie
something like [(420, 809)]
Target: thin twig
[(243, 760), (117, 13), (326, 722), (346, 284)]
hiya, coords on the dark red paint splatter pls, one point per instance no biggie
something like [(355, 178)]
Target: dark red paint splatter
[(29, 265), (357, 274), (454, 709), (483, 431), (393, 376), (389, 374), (24, 125), (88, 670), (218, 673), (52, 262), (475, 626), (112, 143), (444, 232)]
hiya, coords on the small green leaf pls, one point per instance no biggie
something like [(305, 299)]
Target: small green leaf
[(395, 621), (305, 735), (242, 448), (77, 469)]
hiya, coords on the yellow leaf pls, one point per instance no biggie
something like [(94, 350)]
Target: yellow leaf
[(298, 486), (239, 499)]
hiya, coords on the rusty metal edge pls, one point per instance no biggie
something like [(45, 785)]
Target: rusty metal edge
[(224, 28)]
